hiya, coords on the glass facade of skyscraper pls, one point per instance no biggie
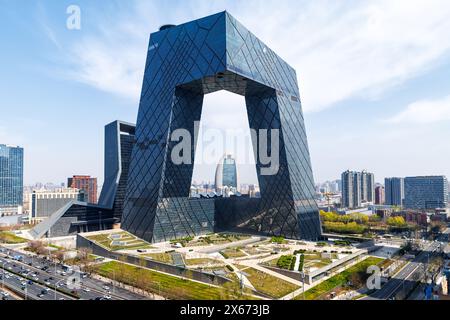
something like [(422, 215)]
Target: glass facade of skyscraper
[(394, 191), (184, 63), (229, 172), (11, 177), (226, 174), (426, 192)]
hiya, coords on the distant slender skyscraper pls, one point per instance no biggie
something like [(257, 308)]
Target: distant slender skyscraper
[(429, 192), (226, 173), (394, 191), (11, 179)]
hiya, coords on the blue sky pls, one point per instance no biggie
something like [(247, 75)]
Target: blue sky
[(374, 79)]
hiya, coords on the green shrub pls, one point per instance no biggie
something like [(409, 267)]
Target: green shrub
[(284, 262), (302, 262), (279, 240), (292, 266), (321, 244)]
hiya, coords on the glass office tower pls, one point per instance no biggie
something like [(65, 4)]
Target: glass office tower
[(119, 141), (226, 174), (394, 191), (184, 63), (426, 192), (11, 179)]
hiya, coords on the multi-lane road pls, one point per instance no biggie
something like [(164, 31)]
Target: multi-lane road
[(29, 289), (408, 273), (43, 279)]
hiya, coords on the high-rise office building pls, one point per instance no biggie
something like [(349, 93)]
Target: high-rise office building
[(11, 179), (184, 63), (379, 195), (394, 190), (86, 183), (357, 187), (367, 187), (351, 189), (429, 192), (226, 174), (119, 141)]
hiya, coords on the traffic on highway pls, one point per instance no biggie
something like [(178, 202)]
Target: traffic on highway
[(42, 279)]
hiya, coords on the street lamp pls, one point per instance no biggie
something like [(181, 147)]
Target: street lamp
[(56, 285)]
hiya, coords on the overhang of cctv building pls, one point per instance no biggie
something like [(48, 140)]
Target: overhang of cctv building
[(184, 63)]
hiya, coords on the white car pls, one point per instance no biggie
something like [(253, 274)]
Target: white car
[(87, 290)]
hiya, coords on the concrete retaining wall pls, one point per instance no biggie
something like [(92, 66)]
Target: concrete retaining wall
[(151, 264)]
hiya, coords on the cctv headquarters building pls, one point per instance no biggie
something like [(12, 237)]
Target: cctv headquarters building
[(184, 63)]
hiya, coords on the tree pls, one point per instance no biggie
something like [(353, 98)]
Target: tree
[(437, 226), (36, 246), (357, 279), (231, 290), (59, 256), (398, 222)]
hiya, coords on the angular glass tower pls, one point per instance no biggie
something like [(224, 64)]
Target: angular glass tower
[(184, 63), (119, 140)]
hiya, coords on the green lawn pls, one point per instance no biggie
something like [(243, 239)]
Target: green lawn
[(161, 257), (132, 243), (268, 284), (217, 238), (11, 238), (312, 260), (201, 261), (232, 253), (168, 286), (339, 279)]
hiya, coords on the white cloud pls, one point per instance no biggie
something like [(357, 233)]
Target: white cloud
[(424, 112), (340, 49)]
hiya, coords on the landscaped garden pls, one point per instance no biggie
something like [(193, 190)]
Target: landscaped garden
[(355, 275), (308, 260), (268, 284), (160, 257), (202, 261), (232, 253), (215, 239), (119, 241)]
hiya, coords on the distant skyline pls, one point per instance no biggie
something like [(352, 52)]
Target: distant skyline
[(373, 78)]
